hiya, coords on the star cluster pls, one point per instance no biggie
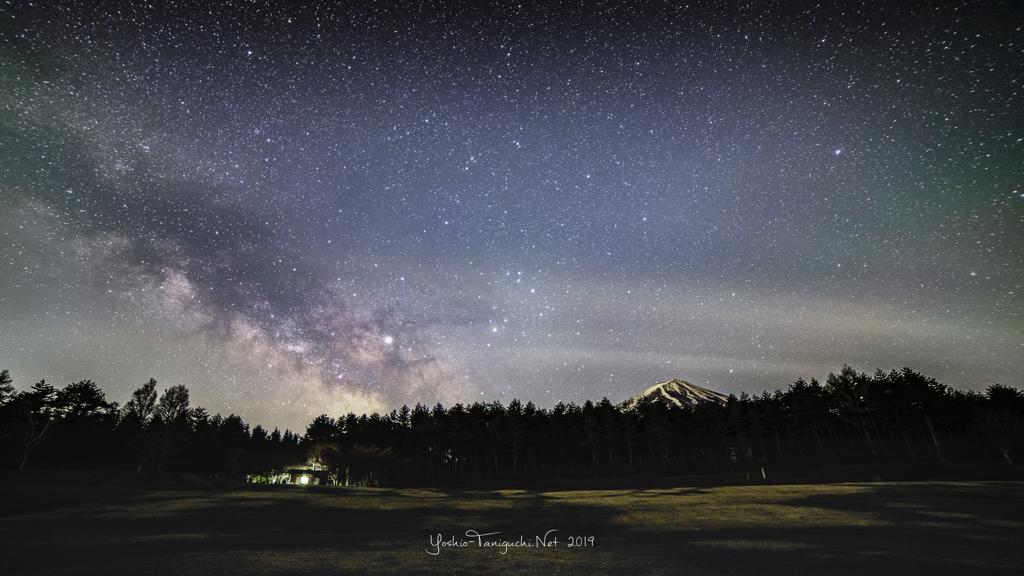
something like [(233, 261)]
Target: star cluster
[(297, 209)]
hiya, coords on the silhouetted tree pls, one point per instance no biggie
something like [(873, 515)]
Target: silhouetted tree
[(1002, 421), (322, 429), (169, 429), (142, 404), (7, 390), (850, 392), (1004, 429), (83, 400), (30, 417)]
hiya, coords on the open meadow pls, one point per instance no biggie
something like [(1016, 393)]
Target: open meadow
[(854, 528)]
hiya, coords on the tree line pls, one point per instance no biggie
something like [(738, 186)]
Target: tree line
[(75, 427), (853, 418)]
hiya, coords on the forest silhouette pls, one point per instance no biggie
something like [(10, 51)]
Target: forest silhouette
[(852, 419)]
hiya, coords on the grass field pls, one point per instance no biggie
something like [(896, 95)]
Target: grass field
[(871, 528)]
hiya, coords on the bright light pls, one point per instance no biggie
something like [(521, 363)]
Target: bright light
[(304, 480), (388, 339)]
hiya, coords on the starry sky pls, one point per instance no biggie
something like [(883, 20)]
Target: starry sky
[(304, 209)]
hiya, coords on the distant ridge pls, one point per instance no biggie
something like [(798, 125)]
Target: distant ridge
[(676, 393)]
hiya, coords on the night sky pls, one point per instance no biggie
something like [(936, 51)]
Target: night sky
[(304, 210)]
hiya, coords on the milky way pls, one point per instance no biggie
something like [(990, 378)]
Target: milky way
[(296, 210)]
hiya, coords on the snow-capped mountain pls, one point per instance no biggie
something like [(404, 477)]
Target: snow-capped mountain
[(677, 393)]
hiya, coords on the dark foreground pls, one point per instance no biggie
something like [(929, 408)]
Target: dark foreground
[(857, 528)]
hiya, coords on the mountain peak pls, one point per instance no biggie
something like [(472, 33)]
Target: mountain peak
[(677, 393)]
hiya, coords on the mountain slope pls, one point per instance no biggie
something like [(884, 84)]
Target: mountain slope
[(677, 393)]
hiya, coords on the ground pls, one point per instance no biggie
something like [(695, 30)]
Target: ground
[(851, 528)]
